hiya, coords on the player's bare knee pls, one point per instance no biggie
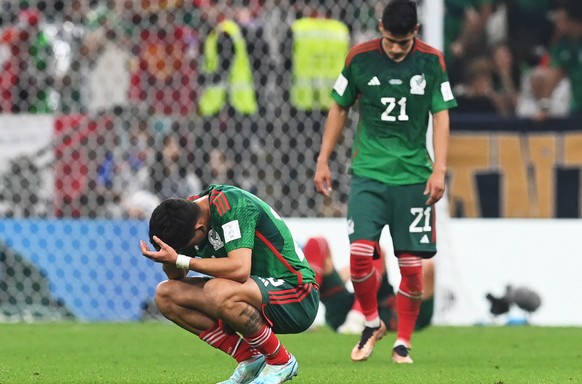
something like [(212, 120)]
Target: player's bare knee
[(227, 307), (217, 293), (163, 296)]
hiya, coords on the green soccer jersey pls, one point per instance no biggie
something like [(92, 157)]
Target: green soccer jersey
[(395, 101), (239, 219), (567, 55)]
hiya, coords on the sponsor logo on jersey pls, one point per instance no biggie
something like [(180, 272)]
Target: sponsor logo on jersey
[(215, 240), (417, 84), (395, 82), (374, 81)]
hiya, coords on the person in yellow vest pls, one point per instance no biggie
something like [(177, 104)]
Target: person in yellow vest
[(227, 61), (232, 102), (316, 45), (320, 46)]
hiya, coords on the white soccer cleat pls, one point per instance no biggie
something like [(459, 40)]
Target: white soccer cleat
[(246, 371), (276, 374)]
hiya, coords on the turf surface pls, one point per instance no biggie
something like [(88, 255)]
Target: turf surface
[(162, 353)]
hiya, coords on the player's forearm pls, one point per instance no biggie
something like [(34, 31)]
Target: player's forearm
[(441, 134), (173, 272), (334, 124), (224, 267)]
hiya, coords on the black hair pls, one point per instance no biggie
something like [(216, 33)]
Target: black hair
[(574, 10), (400, 17), (173, 222)]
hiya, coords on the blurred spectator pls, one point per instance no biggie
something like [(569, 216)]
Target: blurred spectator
[(68, 35), (220, 167), (314, 51), (229, 68), (22, 174), (26, 75), (141, 143), (85, 167), (532, 101), (464, 33), (236, 70), (528, 28), (559, 18), (171, 173), (128, 169), (133, 171), (478, 95), (566, 54), (108, 46), (276, 20), (103, 196), (140, 204), (506, 77), (320, 46), (163, 73)]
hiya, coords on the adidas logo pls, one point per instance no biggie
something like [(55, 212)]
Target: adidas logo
[(424, 239), (374, 81)]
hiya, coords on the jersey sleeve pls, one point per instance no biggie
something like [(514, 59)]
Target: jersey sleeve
[(344, 90), (442, 95), (239, 224)]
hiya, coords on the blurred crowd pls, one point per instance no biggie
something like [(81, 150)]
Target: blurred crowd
[(93, 55), (515, 57), (157, 69)]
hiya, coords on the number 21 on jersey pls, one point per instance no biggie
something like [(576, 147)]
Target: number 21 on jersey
[(395, 110)]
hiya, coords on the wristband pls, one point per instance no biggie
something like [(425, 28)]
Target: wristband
[(183, 262)]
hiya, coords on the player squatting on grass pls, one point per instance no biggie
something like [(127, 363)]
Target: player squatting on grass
[(261, 284)]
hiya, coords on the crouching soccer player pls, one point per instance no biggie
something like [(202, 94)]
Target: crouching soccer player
[(261, 283), (339, 302)]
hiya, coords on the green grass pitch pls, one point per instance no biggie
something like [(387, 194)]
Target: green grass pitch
[(162, 353)]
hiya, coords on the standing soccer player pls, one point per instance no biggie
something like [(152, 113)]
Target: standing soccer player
[(261, 283), (399, 81)]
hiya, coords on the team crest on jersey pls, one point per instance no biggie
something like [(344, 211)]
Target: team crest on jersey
[(215, 240), (417, 85)]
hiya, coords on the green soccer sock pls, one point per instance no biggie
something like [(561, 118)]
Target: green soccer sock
[(337, 299)]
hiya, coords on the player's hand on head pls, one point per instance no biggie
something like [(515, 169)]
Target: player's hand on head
[(166, 254)]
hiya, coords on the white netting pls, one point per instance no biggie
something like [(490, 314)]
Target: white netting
[(100, 120), (120, 78)]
